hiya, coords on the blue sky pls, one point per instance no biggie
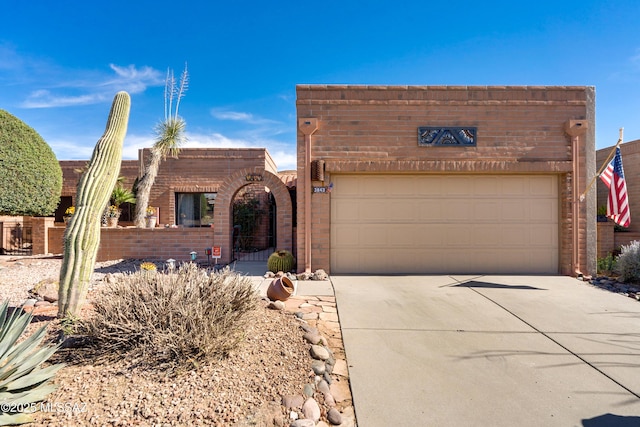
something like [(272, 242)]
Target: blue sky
[(61, 62)]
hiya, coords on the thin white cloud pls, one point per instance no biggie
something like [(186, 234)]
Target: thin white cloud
[(88, 87), (43, 98), (239, 116)]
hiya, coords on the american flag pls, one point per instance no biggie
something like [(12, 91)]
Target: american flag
[(618, 203)]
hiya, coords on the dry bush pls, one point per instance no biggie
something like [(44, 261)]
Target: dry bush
[(180, 318)]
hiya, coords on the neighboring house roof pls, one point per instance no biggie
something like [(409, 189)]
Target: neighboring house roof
[(289, 177)]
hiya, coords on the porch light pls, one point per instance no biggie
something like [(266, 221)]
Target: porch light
[(193, 254)]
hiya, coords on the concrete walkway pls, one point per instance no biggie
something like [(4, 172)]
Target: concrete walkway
[(489, 351)]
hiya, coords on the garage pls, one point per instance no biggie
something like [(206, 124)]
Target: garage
[(443, 223)]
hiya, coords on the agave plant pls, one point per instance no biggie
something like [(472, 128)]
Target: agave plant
[(23, 382)]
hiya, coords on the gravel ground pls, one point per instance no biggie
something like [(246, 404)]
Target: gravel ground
[(244, 389)]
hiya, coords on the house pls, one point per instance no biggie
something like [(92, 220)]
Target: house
[(446, 179), (612, 238), (392, 179), (230, 198)]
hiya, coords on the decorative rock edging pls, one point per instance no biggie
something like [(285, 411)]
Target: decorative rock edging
[(326, 400), (613, 285)]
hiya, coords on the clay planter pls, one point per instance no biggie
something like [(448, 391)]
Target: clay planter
[(150, 221), (280, 289)]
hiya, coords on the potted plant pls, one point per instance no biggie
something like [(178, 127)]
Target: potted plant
[(68, 214), (150, 217), (602, 214), (113, 214)]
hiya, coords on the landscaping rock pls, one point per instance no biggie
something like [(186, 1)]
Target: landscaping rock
[(311, 410), (318, 367), (309, 389), (320, 353), (320, 274), (312, 337), (334, 417), (276, 305), (292, 401), (323, 387)]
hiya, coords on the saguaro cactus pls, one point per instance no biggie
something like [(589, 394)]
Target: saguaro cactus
[(82, 237)]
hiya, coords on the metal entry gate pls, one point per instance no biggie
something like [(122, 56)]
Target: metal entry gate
[(254, 225), (17, 239)]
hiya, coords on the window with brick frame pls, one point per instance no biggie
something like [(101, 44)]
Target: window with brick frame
[(195, 209)]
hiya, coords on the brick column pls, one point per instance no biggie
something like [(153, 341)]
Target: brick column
[(40, 234)]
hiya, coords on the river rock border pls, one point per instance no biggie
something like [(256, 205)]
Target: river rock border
[(326, 400)]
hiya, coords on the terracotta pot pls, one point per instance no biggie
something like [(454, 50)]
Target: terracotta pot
[(112, 222), (280, 289)]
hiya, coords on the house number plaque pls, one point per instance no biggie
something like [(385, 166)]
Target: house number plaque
[(253, 177)]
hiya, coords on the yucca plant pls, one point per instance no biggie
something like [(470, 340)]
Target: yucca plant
[(170, 135), (23, 382)]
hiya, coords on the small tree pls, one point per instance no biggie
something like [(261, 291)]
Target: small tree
[(170, 137), (31, 175)]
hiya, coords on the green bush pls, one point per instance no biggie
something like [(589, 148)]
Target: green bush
[(31, 175), (606, 265), (628, 262), (179, 319)]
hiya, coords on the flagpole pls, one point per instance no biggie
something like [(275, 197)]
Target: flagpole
[(604, 165)]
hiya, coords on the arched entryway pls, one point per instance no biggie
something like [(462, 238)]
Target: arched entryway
[(223, 235)]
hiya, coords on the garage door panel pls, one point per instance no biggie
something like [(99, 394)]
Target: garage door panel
[(429, 210), (344, 236), (444, 224), (459, 186), (513, 211), (348, 210), (544, 210), (543, 186), (542, 236)]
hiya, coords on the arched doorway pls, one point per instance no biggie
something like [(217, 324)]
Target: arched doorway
[(253, 223), (281, 216)]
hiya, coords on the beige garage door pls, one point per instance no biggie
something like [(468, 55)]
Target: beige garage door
[(444, 224)]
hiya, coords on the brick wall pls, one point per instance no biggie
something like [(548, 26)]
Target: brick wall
[(72, 171), (196, 170), (200, 171), (144, 243), (520, 129)]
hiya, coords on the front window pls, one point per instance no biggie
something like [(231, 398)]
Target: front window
[(195, 209)]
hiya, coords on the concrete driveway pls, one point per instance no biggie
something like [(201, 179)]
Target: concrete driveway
[(489, 351)]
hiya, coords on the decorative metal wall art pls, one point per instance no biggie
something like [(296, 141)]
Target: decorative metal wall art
[(430, 135)]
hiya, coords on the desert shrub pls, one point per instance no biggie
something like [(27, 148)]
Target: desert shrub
[(628, 262), (180, 318), (31, 175)]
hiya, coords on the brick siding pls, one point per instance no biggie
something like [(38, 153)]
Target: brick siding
[(520, 129)]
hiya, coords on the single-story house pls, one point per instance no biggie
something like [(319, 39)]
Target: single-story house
[(195, 195)]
